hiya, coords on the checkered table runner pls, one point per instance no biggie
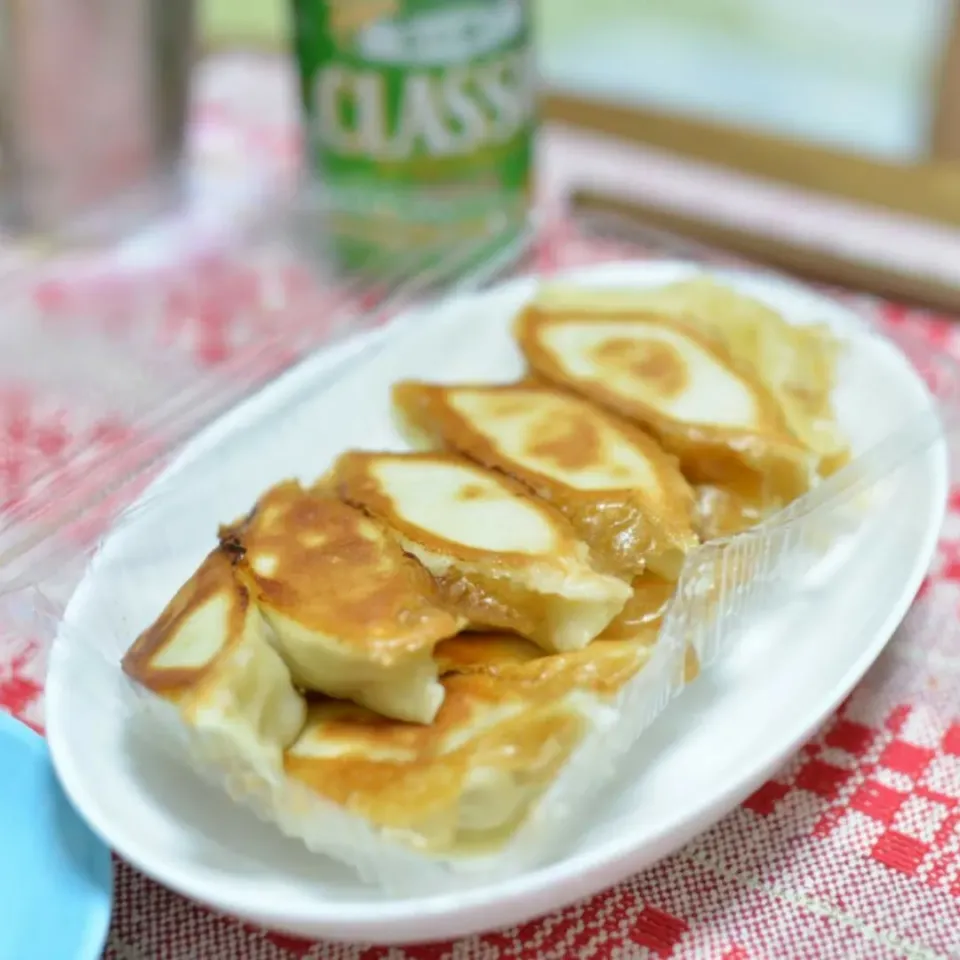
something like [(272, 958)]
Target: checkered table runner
[(852, 850)]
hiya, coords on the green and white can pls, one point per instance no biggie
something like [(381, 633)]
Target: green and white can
[(420, 119)]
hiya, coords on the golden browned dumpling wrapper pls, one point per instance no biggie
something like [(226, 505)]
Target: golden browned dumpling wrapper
[(715, 415), (502, 559), (353, 615), (601, 668), (636, 626), (209, 657), (510, 719), (624, 496), (797, 363)]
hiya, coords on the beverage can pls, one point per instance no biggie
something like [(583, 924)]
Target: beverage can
[(419, 118)]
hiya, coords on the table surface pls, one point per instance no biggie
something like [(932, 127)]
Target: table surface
[(851, 850)]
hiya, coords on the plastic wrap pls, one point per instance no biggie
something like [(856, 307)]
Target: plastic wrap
[(204, 442)]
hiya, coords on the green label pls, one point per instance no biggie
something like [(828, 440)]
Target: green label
[(419, 113)]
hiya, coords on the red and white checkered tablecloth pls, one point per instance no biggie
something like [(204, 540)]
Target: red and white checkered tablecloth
[(852, 850)]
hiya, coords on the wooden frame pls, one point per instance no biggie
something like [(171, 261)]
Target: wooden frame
[(929, 189), (945, 144)]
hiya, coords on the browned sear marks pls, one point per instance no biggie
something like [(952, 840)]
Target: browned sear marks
[(213, 582), (471, 491), (414, 776), (621, 492), (656, 363), (330, 568), (571, 442)]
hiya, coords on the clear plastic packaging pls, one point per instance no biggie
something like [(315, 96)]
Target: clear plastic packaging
[(229, 352)]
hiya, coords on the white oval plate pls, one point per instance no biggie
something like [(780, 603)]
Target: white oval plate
[(710, 749)]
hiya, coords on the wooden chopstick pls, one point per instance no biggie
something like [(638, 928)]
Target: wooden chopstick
[(691, 235)]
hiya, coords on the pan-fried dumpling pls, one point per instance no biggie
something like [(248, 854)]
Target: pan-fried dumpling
[(502, 559), (353, 616), (468, 778), (208, 656), (601, 668), (510, 720), (797, 363), (624, 496), (717, 417)]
